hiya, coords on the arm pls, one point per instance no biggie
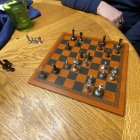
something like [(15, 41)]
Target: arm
[(83, 5), (133, 35), (97, 7)]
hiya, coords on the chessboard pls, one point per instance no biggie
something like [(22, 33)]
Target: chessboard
[(87, 69)]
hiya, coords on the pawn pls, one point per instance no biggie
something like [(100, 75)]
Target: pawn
[(81, 36), (107, 55), (102, 74), (76, 61), (81, 54), (78, 42), (75, 68), (88, 56), (39, 40), (85, 63), (99, 91), (90, 80), (68, 46), (104, 66), (55, 69), (100, 47), (115, 70), (67, 66), (7, 63), (117, 51), (113, 77), (28, 38), (42, 73), (87, 88)]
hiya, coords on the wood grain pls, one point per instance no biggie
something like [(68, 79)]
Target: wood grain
[(29, 113)]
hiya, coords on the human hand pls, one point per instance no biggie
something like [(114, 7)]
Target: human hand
[(112, 14)]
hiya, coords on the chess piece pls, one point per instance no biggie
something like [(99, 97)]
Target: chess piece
[(39, 40), (113, 77), (88, 56), (115, 70), (100, 47), (87, 88), (35, 40), (55, 69), (90, 80), (117, 51), (76, 61), (85, 63), (104, 66), (78, 42), (32, 40), (42, 73), (68, 46), (81, 36), (28, 38), (99, 91), (75, 68), (81, 54), (107, 55), (67, 66), (102, 43), (73, 35), (118, 46), (6, 65), (102, 75)]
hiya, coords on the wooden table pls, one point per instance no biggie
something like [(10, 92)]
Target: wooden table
[(28, 112)]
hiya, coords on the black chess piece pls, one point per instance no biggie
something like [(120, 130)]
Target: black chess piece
[(107, 55), (87, 89), (88, 56), (100, 47), (55, 69), (102, 43), (81, 54), (117, 51), (6, 65), (78, 42), (86, 63), (68, 46), (81, 36), (118, 46), (73, 35)]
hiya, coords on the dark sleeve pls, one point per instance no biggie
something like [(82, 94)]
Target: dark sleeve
[(133, 34), (83, 5)]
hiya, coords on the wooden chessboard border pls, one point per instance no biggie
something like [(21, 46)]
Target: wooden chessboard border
[(123, 63)]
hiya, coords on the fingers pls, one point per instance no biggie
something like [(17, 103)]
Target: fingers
[(112, 14), (119, 22)]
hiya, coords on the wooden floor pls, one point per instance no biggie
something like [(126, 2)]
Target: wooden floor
[(31, 113)]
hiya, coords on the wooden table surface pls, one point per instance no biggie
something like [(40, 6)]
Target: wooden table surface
[(29, 113)]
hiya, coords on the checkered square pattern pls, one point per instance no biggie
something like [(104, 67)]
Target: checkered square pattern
[(74, 83)]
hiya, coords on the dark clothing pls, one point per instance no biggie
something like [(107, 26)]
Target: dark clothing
[(6, 25), (130, 9)]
